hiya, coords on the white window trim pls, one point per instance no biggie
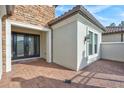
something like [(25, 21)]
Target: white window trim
[(93, 48), (97, 43)]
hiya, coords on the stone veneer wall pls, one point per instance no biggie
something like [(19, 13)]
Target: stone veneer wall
[(33, 14), (4, 42)]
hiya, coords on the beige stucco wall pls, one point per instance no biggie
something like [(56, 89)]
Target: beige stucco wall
[(69, 48), (65, 45), (42, 38), (84, 26), (113, 51), (111, 37)]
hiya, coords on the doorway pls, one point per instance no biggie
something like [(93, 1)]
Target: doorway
[(25, 45)]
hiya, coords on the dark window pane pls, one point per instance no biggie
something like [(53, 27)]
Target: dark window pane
[(95, 42), (37, 45), (90, 43)]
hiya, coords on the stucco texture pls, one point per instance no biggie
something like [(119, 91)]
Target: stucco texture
[(115, 37), (69, 47)]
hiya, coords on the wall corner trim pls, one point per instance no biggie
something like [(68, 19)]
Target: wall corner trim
[(8, 45)]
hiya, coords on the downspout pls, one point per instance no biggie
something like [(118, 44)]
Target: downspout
[(51, 44), (50, 26)]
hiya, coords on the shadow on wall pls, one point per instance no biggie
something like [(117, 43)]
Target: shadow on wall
[(84, 61)]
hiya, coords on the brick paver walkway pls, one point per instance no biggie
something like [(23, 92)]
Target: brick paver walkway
[(38, 73)]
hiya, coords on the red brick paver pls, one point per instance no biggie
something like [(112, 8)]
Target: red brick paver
[(38, 74)]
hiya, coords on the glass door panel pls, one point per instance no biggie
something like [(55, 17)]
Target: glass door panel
[(37, 43), (25, 45), (20, 45), (31, 45)]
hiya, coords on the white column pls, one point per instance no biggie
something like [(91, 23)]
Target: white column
[(0, 48), (8, 45), (48, 45)]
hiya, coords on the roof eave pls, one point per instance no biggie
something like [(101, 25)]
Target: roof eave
[(94, 21), (81, 10)]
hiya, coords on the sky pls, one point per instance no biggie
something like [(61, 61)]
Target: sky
[(105, 14)]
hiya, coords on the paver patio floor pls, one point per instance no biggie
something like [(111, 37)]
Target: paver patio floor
[(38, 74)]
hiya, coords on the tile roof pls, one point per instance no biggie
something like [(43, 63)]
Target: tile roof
[(81, 10), (115, 29)]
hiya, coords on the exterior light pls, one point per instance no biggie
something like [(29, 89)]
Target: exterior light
[(87, 38)]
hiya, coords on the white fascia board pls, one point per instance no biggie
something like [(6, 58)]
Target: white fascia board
[(30, 26), (65, 21), (88, 23)]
